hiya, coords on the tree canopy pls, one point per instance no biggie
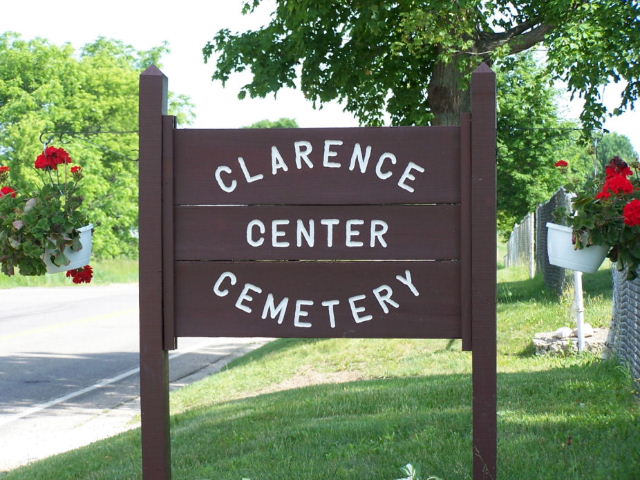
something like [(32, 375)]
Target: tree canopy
[(412, 58), (532, 137), (283, 122), (86, 102), (612, 145)]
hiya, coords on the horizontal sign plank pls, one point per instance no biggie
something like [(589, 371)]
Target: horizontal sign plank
[(385, 232), (317, 166), (318, 299)]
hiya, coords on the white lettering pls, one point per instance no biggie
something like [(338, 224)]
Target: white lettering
[(303, 154), (227, 188), (384, 175), (246, 173), (328, 153), (309, 234), (301, 313), (351, 232), (277, 162), (407, 281), (330, 304), (261, 228), (377, 233), (275, 233), (385, 298), (216, 287), (356, 156), (329, 223), (271, 309), (355, 310), (407, 175), (244, 295)]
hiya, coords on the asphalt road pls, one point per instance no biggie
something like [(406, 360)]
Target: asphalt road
[(69, 367)]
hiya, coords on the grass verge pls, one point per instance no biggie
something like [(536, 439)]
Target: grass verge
[(121, 270), (359, 409)]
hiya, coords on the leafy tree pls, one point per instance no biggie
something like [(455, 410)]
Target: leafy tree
[(614, 144), (412, 58), (280, 123), (531, 139), (71, 97)]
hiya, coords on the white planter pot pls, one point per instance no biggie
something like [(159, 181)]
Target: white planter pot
[(562, 252), (77, 259)]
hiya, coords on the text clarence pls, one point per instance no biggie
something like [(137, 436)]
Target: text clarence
[(385, 164), (251, 297)]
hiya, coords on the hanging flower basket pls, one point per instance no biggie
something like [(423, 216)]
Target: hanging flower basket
[(78, 258), (39, 224), (562, 251), (606, 211)]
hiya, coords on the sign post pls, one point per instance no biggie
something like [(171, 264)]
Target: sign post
[(317, 233)]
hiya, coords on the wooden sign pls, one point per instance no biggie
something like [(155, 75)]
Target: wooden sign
[(316, 233)]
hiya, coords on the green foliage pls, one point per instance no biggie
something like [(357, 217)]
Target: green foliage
[(412, 58), (280, 123), (55, 90), (531, 138), (612, 145), (597, 42)]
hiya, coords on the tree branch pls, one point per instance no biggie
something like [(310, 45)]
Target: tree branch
[(527, 40), (515, 37)]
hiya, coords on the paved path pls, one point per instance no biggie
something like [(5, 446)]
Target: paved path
[(69, 367)]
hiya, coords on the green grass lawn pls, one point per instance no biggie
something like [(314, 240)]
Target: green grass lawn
[(105, 271), (361, 409)]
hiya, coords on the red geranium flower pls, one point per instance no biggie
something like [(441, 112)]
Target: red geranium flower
[(618, 183), (81, 275), (76, 169), (561, 163), (4, 174), (7, 191), (631, 212), (52, 157), (617, 166)]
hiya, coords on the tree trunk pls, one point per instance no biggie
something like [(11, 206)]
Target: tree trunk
[(448, 95)]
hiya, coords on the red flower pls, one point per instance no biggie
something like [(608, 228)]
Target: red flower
[(52, 157), (76, 169), (7, 191), (631, 212), (561, 164), (81, 275), (617, 183), (4, 174), (617, 166)]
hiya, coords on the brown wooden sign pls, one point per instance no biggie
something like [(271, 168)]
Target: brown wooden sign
[(316, 233)]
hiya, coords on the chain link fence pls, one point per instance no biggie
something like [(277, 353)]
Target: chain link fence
[(521, 248), (624, 335), (556, 279)]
